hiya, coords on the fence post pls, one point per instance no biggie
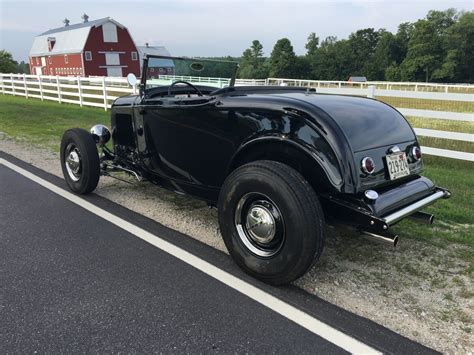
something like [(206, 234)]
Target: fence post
[(371, 91), (40, 86), (3, 86), (26, 86), (339, 85), (79, 89), (104, 89), (60, 98), (13, 84)]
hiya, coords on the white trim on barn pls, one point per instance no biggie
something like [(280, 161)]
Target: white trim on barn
[(113, 66), (117, 52)]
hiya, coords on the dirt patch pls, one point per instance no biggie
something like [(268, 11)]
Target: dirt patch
[(418, 290)]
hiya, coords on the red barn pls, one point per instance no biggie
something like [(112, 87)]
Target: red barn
[(101, 47)]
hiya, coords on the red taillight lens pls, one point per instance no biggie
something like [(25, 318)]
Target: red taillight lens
[(416, 153), (368, 165)]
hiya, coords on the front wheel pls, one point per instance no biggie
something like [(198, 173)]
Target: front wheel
[(271, 221), (80, 161)]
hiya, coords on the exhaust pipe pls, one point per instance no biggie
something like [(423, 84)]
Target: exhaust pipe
[(422, 217), (388, 238)]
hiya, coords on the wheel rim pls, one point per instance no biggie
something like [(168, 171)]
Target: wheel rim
[(259, 224), (73, 162)]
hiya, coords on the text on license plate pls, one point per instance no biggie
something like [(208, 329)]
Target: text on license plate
[(397, 165)]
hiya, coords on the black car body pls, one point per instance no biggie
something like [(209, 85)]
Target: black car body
[(191, 138)]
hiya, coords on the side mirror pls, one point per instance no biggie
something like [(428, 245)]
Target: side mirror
[(132, 79)]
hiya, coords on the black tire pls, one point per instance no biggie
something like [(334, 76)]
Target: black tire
[(82, 144), (298, 214)]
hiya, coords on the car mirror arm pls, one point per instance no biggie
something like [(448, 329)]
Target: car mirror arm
[(141, 90)]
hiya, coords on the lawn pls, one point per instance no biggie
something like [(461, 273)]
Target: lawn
[(43, 123)]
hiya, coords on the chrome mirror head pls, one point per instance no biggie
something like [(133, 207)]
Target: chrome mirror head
[(100, 134), (132, 79)]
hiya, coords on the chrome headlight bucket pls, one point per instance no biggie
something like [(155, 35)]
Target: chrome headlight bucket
[(100, 134)]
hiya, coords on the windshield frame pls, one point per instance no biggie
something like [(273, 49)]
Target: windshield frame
[(147, 57)]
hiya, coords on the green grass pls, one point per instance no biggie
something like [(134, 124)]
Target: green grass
[(425, 104), (43, 123), (455, 216), (442, 125)]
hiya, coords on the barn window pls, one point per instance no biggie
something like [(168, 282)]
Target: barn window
[(109, 30), (49, 59), (88, 55), (66, 59), (134, 56)]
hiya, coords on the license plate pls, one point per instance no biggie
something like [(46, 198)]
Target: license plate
[(397, 165)]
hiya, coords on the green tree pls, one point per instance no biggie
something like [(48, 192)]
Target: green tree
[(362, 48), (332, 61), (7, 64), (388, 53), (252, 62), (312, 44), (424, 54), (458, 64), (392, 73), (282, 59), (404, 33), (23, 68), (442, 20)]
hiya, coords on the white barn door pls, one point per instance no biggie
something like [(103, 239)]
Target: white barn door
[(112, 59), (114, 71)]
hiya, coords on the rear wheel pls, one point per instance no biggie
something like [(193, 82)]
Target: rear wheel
[(271, 221), (80, 160)]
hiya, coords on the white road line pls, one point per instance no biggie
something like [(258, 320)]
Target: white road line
[(292, 313)]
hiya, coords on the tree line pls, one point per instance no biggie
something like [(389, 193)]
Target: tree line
[(8, 65), (437, 48)]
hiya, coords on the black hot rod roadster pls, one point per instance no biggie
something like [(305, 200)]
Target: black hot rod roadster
[(277, 162)]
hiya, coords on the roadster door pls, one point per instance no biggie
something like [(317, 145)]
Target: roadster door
[(193, 143)]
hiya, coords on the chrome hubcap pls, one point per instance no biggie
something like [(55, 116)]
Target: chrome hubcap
[(73, 162), (259, 225)]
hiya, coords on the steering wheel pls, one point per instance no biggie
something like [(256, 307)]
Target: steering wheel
[(199, 93)]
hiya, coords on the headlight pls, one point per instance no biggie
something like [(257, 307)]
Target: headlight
[(100, 133)]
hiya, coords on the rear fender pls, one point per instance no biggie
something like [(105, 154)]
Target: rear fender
[(313, 164)]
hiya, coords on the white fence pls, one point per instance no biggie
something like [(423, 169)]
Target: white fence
[(387, 85), (101, 91)]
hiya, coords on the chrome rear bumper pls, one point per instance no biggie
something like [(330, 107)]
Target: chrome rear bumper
[(397, 216)]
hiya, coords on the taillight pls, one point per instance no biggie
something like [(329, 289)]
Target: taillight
[(416, 153), (368, 165)]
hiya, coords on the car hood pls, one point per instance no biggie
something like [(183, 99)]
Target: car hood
[(367, 123)]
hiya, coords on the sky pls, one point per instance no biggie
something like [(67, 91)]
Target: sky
[(211, 27)]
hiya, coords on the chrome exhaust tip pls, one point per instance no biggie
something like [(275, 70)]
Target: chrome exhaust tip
[(390, 239), (422, 217)]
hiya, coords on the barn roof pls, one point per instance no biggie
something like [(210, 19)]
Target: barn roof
[(69, 39)]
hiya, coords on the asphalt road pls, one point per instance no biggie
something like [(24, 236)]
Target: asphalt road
[(72, 282)]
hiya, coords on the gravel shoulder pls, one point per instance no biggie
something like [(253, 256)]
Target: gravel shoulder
[(418, 290)]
